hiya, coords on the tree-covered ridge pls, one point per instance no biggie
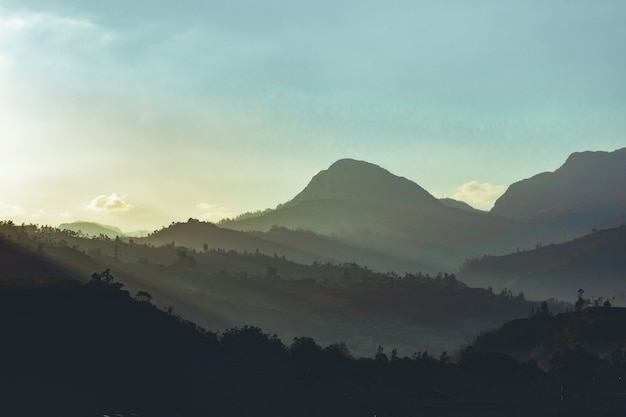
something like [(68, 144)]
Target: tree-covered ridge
[(220, 288)]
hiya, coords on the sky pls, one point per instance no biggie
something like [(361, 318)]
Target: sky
[(137, 114)]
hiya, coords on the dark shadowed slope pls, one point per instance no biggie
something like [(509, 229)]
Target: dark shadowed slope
[(596, 263), (593, 183), (21, 266)]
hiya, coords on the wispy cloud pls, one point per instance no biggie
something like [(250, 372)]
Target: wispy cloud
[(481, 195), (213, 212), (111, 202)]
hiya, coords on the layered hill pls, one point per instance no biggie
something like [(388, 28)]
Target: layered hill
[(296, 245), (595, 262)]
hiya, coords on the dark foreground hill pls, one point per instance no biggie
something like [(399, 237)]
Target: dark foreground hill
[(91, 350)]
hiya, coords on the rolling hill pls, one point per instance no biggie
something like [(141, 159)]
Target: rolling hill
[(595, 262)]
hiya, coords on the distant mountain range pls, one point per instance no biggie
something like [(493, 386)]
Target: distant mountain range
[(355, 211), (97, 229)]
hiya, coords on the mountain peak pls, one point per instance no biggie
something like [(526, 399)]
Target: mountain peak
[(359, 181)]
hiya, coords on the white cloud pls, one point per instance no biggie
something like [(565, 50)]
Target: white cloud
[(17, 212), (111, 202), (213, 212), (11, 210), (481, 195)]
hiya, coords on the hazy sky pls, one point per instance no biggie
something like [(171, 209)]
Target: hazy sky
[(141, 113)]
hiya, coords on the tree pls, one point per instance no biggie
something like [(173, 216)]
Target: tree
[(143, 296), (543, 310), (580, 302), (104, 276), (380, 355)]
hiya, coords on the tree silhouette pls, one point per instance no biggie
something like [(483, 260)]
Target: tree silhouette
[(580, 302)]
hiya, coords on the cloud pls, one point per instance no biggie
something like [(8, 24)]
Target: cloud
[(481, 195), (213, 212), (11, 210), (111, 202), (15, 212)]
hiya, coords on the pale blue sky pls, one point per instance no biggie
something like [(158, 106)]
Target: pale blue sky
[(139, 113)]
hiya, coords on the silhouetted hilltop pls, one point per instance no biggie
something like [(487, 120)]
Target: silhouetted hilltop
[(595, 262), (363, 182), (588, 182)]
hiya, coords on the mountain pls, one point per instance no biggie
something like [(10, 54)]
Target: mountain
[(371, 208), (348, 195), (363, 182), (588, 190), (450, 202), (595, 262), (93, 229)]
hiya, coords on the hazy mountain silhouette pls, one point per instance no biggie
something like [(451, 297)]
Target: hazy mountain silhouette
[(450, 202), (93, 229), (595, 262), (363, 182), (348, 195), (587, 191)]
